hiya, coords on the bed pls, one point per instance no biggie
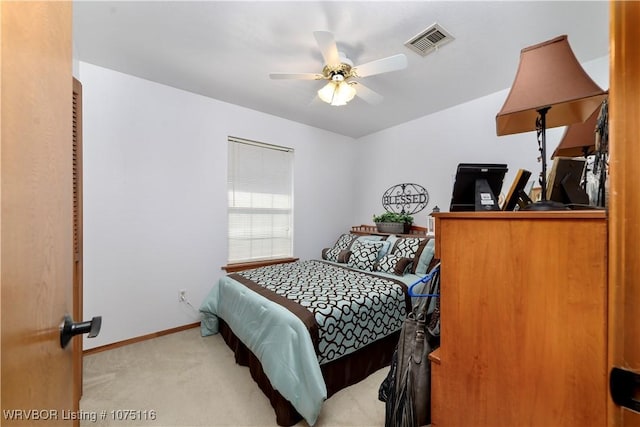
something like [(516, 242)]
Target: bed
[(309, 328)]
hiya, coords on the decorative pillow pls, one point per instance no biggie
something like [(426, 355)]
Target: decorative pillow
[(371, 237), (344, 242), (407, 247), (364, 255), (424, 257), (381, 239), (343, 256), (392, 239), (385, 249), (395, 264)]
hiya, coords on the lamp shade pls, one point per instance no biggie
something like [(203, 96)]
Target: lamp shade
[(549, 75), (579, 138), (327, 92), (337, 93)]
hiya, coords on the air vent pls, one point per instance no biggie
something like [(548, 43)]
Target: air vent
[(429, 40)]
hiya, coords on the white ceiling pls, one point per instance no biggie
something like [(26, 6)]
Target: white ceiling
[(226, 50)]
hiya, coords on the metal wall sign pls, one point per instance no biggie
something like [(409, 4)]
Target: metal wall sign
[(405, 199)]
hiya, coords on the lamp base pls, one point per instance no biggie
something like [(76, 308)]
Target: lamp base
[(545, 205)]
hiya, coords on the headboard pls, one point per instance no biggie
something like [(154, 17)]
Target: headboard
[(364, 229)]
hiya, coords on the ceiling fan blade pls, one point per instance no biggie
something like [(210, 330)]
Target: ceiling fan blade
[(367, 94), (328, 47), (296, 76), (384, 65)]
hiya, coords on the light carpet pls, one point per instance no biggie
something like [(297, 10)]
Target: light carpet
[(183, 379)]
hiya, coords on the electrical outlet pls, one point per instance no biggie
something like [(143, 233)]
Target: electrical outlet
[(182, 296)]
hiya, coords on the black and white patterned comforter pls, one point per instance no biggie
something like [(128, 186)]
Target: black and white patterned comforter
[(350, 308)]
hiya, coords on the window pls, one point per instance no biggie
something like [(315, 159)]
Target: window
[(260, 205)]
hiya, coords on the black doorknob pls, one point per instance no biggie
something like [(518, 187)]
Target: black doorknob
[(624, 387), (69, 329)]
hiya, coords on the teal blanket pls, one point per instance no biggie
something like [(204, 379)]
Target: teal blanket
[(276, 337)]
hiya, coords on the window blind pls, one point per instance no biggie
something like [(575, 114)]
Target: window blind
[(260, 205)]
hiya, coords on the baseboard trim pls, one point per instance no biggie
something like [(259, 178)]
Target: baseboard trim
[(139, 339)]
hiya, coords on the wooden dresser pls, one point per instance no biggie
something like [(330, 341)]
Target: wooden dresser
[(523, 320)]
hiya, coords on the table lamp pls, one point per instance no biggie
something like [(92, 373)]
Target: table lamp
[(579, 139), (550, 89)]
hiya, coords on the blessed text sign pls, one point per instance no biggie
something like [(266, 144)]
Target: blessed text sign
[(405, 198)]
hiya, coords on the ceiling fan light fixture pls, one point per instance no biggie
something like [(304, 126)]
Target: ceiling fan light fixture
[(337, 93), (327, 91), (342, 74), (346, 92)]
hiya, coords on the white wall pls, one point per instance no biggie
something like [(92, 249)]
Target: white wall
[(427, 150), (155, 173)]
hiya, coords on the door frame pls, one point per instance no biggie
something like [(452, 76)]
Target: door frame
[(624, 198), (77, 234)]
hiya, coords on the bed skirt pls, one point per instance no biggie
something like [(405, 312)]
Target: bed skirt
[(337, 374)]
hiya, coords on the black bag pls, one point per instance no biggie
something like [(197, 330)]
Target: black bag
[(387, 390), (412, 397), (406, 389)]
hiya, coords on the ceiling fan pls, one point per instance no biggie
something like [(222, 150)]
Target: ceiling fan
[(342, 73)]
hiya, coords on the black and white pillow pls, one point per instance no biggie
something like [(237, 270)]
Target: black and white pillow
[(395, 264), (364, 255), (344, 243), (407, 247)]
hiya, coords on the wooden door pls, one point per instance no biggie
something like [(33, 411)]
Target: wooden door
[(624, 200), (36, 214)]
